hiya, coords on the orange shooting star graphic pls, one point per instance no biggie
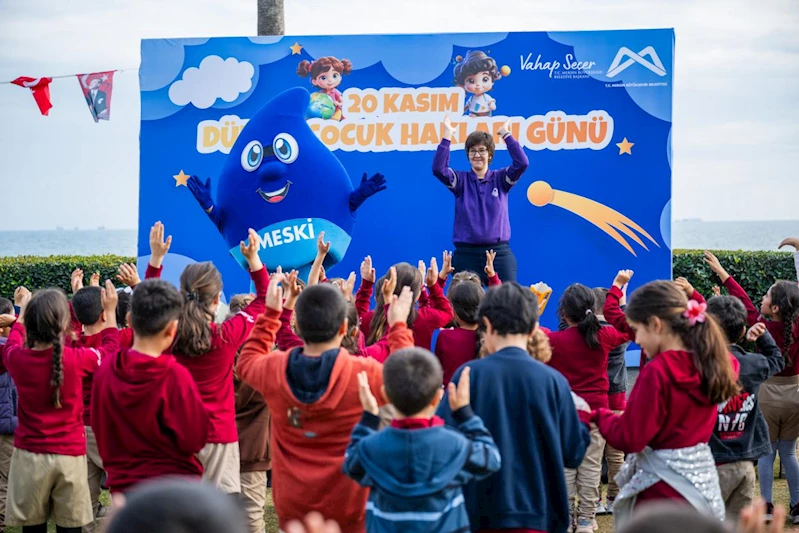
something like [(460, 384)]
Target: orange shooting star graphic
[(608, 220)]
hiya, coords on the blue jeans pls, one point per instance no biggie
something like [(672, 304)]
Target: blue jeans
[(472, 258)]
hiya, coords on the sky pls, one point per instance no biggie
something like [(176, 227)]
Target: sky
[(736, 118)]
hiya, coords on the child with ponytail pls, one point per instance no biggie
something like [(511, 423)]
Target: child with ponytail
[(47, 478), (460, 344), (672, 410), (580, 353), (779, 396), (423, 321), (326, 73), (208, 351)]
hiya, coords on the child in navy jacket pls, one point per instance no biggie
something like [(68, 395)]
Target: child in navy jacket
[(417, 466)]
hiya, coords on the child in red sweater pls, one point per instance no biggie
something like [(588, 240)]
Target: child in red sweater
[(48, 477), (580, 353), (423, 321), (672, 409), (459, 345), (779, 395), (208, 351), (147, 413), (312, 392)]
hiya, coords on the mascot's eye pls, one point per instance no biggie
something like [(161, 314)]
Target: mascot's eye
[(251, 156), (286, 148)]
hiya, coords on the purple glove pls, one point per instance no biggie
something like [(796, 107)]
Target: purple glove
[(367, 188), (201, 192)]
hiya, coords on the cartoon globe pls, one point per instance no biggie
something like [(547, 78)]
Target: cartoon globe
[(321, 106)]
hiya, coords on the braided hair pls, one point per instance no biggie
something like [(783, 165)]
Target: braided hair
[(46, 321), (785, 295)]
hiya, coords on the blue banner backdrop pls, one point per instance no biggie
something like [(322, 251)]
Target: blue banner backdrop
[(592, 110)]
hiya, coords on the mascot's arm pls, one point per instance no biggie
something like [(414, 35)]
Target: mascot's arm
[(202, 193), (367, 188)]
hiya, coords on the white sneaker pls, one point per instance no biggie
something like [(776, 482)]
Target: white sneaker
[(585, 526), (601, 509)]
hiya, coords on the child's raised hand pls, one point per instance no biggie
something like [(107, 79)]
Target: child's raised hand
[(460, 396), (755, 332), (158, 246), (715, 265), (250, 251), (368, 400), (109, 297), (76, 280), (21, 297), (94, 281), (446, 266), (449, 129), (623, 278), (716, 290), (128, 275), (389, 285), (400, 307), (293, 285), (505, 129), (348, 286), (490, 256), (432, 272), (274, 294), (790, 241), (685, 286), (322, 247), (422, 268), (367, 270)]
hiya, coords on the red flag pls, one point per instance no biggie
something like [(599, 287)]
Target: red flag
[(97, 88), (40, 87)]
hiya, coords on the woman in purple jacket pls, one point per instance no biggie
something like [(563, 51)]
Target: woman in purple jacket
[(481, 201)]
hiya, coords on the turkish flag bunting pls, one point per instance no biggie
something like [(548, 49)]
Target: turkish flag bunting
[(40, 87), (97, 88)]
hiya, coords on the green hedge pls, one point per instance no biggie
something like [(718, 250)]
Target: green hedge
[(38, 272), (755, 271)]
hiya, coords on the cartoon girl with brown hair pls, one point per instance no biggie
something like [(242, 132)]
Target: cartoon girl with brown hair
[(476, 74), (326, 73)]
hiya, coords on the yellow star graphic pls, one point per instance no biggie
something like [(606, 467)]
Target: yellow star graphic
[(295, 50), (181, 179), (625, 147)]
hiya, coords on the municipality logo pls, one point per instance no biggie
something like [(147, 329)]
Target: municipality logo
[(625, 58)]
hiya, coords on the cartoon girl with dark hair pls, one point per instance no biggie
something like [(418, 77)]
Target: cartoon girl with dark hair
[(326, 73), (476, 74)]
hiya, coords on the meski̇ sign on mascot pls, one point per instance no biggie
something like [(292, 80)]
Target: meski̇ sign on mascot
[(364, 138)]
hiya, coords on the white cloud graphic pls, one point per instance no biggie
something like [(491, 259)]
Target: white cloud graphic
[(216, 78)]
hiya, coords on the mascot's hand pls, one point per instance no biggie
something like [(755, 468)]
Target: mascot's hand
[(367, 188), (201, 192)]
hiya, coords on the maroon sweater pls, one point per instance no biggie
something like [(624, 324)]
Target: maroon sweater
[(149, 419), (42, 427), (428, 319), (213, 371), (585, 368), (777, 329), (666, 410), (455, 347)]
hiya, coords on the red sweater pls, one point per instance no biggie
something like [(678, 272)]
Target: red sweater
[(94, 341), (455, 347), (213, 371), (149, 419), (428, 319), (43, 428), (777, 329), (309, 440), (666, 410), (616, 317), (585, 368)]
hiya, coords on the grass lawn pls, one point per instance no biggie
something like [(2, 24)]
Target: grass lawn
[(605, 522)]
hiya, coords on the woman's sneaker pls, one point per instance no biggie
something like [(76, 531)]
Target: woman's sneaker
[(601, 509), (584, 525), (769, 513), (610, 505), (795, 514)]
